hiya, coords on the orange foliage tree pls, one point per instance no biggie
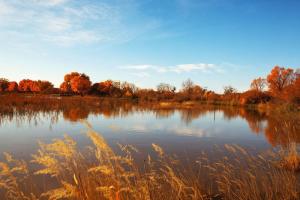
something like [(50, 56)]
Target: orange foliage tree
[(27, 85), (12, 86), (292, 92), (279, 80), (107, 88), (77, 83)]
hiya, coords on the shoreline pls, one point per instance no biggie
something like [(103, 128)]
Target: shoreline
[(92, 100)]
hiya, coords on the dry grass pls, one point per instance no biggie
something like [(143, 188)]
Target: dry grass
[(102, 174), (290, 158)]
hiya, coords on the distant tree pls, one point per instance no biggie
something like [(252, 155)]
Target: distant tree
[(12, 87), (3, 84), (69, 77), (25, 85), (44, 86), (292, 92), (258, 84), (128, 89), (229, 90), (65, 87), (198, 93), (164, 87), (165, 91), (77, 83), (81, 84), (187, 86), (105, 87), (296, 87), (279, 79), (147, 95)]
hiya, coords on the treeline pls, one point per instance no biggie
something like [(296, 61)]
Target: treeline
[(280, 85)]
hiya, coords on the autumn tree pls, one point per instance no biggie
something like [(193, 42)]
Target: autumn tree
[(187, 86), (105, 87), (25, 85), (77, 83), (12, 86), (164, 87), (128, 89), (292, 92), (279, 79), (147, 95), (229, 90), (198, 93), (3, 84), (258, 84), (44, 86), (65, 87), (81, 84), (165, 91)]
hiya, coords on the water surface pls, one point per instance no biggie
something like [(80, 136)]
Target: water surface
[(185, 132)]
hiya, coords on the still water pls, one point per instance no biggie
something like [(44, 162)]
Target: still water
[(184, 132)]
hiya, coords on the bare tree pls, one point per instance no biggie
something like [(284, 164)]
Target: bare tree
[(258, 84)]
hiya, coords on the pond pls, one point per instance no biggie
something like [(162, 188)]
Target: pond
[(151, 131), (188, 130)]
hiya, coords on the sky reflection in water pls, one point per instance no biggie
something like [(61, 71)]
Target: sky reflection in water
[(184, 130)]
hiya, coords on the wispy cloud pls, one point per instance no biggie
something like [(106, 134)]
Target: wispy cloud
[(203, 67), (179, 69), (50, 2), (5, 9), (70, 22)]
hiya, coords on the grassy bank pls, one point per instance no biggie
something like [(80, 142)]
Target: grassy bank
[(45, 101)]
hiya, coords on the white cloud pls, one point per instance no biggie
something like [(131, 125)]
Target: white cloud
[(55, 24), (191, 67), (50, 2), (181, 68), (5, 9), (189, 131)]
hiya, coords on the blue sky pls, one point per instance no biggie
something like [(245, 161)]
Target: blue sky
[(213, 42)]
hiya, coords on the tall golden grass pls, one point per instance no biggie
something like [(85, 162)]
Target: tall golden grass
[(100, 173)]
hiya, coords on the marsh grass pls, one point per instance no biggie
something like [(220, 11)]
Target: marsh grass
[(100, 173), (290, 158)]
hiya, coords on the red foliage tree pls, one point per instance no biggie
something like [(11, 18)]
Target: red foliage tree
[(28, 85), (12, 87), (77, 83), (65, 87), (107, 88), (292, 93), (280, 79), (25, 85)]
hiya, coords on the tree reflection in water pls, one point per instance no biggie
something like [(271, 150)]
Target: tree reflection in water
[(278, 129)]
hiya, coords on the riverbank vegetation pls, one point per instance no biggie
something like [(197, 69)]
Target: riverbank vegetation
[(60, 170), (281, 87)]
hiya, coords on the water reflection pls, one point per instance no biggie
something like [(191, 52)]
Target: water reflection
[(278, 130)]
